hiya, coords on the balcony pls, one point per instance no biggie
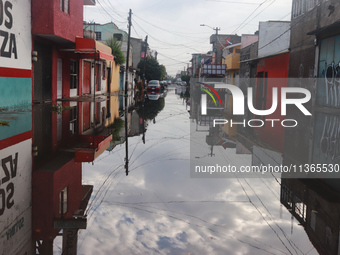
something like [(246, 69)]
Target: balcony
[(213, 70), (89, 2), (87, 150), (232, 61)]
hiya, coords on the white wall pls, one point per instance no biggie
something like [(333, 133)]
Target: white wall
[(247, 40), (274, 37)]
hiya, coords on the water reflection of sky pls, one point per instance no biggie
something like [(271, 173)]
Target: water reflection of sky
[(159, 209)]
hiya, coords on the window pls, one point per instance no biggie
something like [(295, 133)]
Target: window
[(328, 237), (300, 209), (300, 5), (104, 71), (97, 117), (98, 36), (63, 202), (98, 77), (73, 74), (295, 4), (238, 50), (286, 197), (64, 5), (309, 4), (118, 37), (73, 120)]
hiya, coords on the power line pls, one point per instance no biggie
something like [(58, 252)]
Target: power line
[(163, 42), (232, 2), (258, 14), (105, 10), (249, 15), (184, 34), (298, 22)]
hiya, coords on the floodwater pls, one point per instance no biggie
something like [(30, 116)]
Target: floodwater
[(159, 209), (151, 202)]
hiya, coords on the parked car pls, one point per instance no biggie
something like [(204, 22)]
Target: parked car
[(184, 83), (153, 95), (163, 84), (154, 85)]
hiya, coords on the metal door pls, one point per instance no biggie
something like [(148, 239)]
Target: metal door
[(86, 116), (98, 77), (87, 78)]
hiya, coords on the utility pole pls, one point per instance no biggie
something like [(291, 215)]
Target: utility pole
[(216, 43), (218, 53), (145, 51), (126, 98)]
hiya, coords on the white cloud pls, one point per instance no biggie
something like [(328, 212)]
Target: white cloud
[(174, 26)]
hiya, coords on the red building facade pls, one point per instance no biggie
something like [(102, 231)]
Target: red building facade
[(68, 86), (272, 72)]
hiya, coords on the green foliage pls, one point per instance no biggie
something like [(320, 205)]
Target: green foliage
[(58, 108), (116, 46), (163, 72), (153, 70), (117, 125), (151, 108), (4, 123), (186, 78)]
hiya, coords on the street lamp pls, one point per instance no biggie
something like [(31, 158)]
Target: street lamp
[(215, 48), (216, 28)]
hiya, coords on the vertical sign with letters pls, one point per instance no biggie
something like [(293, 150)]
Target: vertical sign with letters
[(15, 34), (16, 139)]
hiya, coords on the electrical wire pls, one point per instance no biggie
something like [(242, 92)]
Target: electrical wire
[(249, 16), (232, 2), (258, 14)]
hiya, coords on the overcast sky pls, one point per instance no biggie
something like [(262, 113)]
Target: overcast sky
[(173, 26)]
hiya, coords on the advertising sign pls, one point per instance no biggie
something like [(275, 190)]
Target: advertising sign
[(15, 198), (15, 34)]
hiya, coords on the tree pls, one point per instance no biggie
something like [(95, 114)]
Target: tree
[(186, 78), (153, 71), (163, 72), (116, 46), (150, 109)]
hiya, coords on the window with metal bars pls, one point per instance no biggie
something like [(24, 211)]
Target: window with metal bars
[(73, 74), (64, 5)]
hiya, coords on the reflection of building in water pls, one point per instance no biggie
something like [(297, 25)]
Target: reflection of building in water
[(217, 137), (215, 102), (314, 141), (265, 71), (317, 207), (138, 124), (262, 153), (58, 197), (326, 142), (59, 203), (315, 24)]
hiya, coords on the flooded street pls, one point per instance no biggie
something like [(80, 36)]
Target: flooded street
[(150, 127), (158, 208)]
